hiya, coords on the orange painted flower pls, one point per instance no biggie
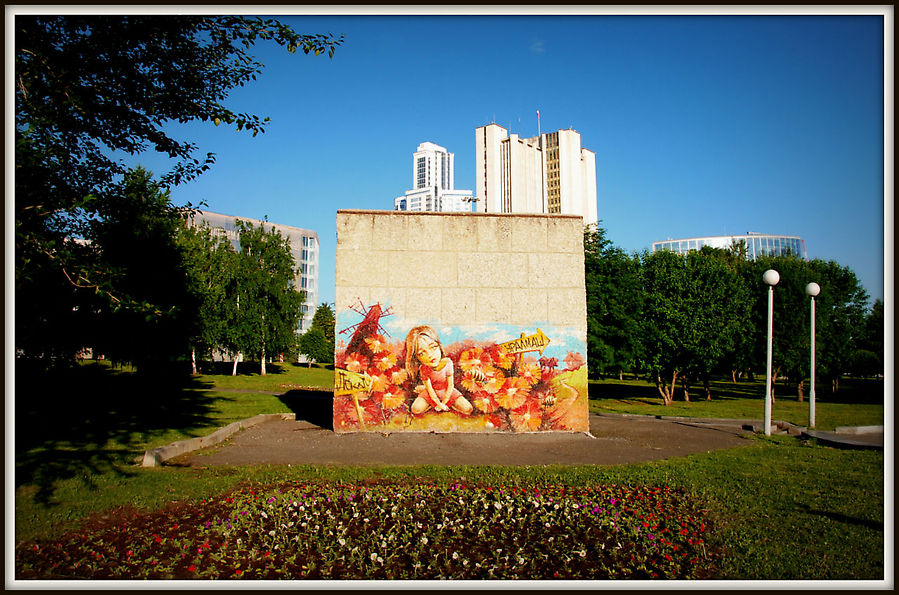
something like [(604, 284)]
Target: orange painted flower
[(384, 360), (376, 343), (397, 376), (500, 358), (494, 382), (393, 397), (530, 373), (513, 393), (485, 402), (356, 362), (527, 417), (379, 382)]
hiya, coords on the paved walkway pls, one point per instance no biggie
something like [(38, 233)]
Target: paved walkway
[(613, 439)]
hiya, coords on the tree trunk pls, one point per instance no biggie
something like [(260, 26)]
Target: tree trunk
[(234, 369), (708, 390), (193, 362), (800, 388), (666, 391), (733, 375), (834, 385)]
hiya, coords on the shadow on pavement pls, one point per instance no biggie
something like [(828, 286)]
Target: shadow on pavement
[(314, 406)]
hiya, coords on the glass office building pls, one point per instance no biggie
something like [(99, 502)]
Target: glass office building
[(303, 246), (757, 244)]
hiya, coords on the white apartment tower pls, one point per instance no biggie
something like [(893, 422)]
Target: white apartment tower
[(432, 183), (549, 173)]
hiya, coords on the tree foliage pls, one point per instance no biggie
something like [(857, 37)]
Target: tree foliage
[(90, 90), (264, 305), (614, 302)]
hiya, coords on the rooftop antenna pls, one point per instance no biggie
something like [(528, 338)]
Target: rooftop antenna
[(538, 122)]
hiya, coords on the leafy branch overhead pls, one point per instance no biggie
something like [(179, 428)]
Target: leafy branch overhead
[(90, 91)]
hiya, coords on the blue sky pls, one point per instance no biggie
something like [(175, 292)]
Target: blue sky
[(701, 125)]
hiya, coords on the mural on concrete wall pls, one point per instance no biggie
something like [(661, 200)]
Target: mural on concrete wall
[(395, 375)]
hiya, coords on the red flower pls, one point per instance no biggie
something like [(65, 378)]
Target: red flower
[(191, 568), (475, 360), (527, 418)]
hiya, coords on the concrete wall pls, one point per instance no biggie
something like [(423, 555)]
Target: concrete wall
[(475, 277)]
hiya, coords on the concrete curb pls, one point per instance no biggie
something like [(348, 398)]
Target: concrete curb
[(157, 456)]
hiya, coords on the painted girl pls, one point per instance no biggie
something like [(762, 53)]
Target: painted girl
[(426, 361)]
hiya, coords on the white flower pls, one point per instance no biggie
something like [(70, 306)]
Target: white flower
[(455, 555), (341, 541), (424, 540)]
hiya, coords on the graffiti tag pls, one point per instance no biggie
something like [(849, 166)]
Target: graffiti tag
[(346, 382), (536, 342)]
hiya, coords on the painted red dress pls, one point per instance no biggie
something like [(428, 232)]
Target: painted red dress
[(439, 377)]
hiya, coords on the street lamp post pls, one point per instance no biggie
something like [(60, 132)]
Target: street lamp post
[(771, 277), (812, 289)]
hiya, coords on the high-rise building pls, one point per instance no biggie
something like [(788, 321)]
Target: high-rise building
[(757, 244), (550, 173), (432, 183), (303, 246)]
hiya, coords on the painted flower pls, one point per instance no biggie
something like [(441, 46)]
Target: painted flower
[(493, 422), (494, 382), (485, 402), (513, 393), (379, 382), (475, 360), (384, 360), (530, 373), (356, 362), (376, 343), (527, 417), (393, 397), (397, 376), (501, 358)]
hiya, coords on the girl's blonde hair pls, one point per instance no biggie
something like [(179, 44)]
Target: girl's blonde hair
[(412, 346)]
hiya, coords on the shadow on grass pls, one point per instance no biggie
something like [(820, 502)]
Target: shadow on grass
[(842, 518), (314, 406), (91, 419)]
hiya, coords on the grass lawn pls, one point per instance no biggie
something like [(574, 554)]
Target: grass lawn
[(857, 403), (776, 508)]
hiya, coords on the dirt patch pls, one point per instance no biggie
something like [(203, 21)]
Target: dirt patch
[(612, 440)]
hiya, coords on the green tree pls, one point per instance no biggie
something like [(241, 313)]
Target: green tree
[(666, 320), (612, 280), (314, 345), (323, 320), (720, 305), (840, 309), (868, 357), (266, 305), (134, 235), (696, 308), (209, 262), (88, 88)]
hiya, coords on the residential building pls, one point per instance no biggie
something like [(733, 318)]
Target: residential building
[(433, 188), (550, 173), (304, 247), (757, 244)]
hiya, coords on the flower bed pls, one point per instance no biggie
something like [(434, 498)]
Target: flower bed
[(387, 531)]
